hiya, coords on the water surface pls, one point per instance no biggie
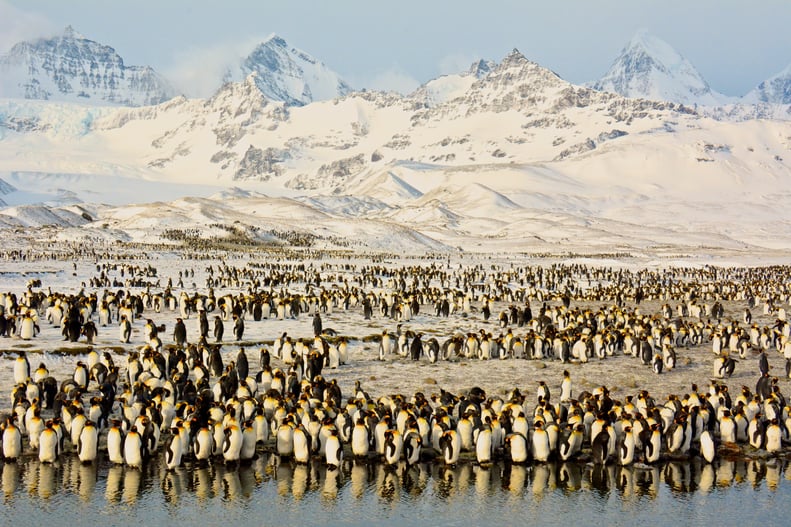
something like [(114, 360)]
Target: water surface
[(271, 492)]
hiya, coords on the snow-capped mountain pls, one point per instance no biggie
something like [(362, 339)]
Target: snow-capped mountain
[(519, 158), (70, 67), (774, 90), (649, 68), (516, 112), (287, 74)]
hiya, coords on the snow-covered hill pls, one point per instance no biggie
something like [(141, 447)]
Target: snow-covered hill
[(70, 67), (649, 68)]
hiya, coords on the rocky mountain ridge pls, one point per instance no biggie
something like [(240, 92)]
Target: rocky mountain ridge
[(70, 67)]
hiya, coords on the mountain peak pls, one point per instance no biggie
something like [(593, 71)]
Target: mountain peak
[(774, 90), (71, 33), (244, 92), (290, 75), (659, 51), (514, 57), (650, 68), (516, 60), (480, 68), (275, 40), (73, 68), (515, 63)]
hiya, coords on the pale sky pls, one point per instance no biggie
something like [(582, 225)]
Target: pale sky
[(397, 45)]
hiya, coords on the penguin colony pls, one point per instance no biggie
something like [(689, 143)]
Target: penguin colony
[(182, 401)]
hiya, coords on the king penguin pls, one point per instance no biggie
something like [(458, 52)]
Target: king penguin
[(232, 446), (12, 440), (88, 443), (707, 447), (115, 443), (600, 447), (565, 387), (301, 441), (516, 445), (412, 446), (393, 446), (124, 330), (174, 450), (540, 443), (483, 446), (626, 448), (48, 444), (21, 368), (133, 449), (360, 439), (450, 445), (333, 450)]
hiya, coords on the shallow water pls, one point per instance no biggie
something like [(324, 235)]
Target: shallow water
[(271, 492)]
